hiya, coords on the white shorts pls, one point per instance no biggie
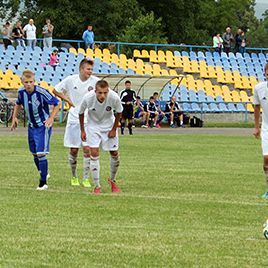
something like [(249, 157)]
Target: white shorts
[(97, 139), (72, 136), (264, 143)]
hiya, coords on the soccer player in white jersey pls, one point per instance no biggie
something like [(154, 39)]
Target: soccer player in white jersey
[(72, 90), (260, 100), (104, 110)]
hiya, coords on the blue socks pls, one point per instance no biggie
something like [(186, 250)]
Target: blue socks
[(43, 166)]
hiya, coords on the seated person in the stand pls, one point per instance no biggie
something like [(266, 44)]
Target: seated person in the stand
[(161, 114), (174, 113), (139, 111), (152, 114)]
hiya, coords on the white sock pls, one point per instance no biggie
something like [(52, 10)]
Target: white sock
[(171, 122), (181, 122), (73, 165), (86, 167), (95, 170), (114, 165)]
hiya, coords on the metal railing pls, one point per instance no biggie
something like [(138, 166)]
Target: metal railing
[(119, 45)]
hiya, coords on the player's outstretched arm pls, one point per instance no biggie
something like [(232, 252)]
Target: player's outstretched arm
[(257, 109), (15, 120), (49, 122), (112, 133), (63, 97)]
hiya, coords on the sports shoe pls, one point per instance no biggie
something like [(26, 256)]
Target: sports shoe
[(75, 181), (182, 126), (114, 187), (86, 183), (144, 126), (97, 190), (42, 188), (158, 126), (265, 195), (173, 126)]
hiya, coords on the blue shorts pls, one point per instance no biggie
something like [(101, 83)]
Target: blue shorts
[(137, 113), (38, 139)]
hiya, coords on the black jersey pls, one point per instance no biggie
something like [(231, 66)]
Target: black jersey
[(128, 95), (150, 107), (170, 106)]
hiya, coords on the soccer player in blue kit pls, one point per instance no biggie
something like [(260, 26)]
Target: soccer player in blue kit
[(36, 100)]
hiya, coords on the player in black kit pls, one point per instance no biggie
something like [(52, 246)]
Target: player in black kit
[(128, 97)]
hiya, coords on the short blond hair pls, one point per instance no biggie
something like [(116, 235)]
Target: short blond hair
[(27, 74)]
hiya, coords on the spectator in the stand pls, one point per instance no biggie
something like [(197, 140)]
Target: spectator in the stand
[(242, 42), (53, 59), (174, 113), (228, 38), (237, 37), (161, 114), (152, 114), (30, 31), (88, 37), (47, 32), (217, 42), (7, 35), (17, 34), (139, 111)]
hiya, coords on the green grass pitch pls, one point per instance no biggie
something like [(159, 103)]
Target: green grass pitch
[(186, 201)]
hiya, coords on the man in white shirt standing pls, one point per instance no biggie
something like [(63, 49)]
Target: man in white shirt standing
[(72, 90), (30, 31), (101, 105), (260, 100)]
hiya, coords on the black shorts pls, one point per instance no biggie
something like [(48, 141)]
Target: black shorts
[(127, 111), (152, 116)]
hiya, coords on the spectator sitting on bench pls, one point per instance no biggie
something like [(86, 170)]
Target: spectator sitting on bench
[(174, 113), (139, 111), (152, 114), (161, 114)]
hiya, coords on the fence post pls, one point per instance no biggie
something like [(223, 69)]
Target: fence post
[(246, 114), (118, 50)]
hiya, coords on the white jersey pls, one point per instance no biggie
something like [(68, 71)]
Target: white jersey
[(30, 31), (101, 115), (76, 90), (260, 97)]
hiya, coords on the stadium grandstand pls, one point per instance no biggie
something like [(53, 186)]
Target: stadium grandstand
[(203, 82)]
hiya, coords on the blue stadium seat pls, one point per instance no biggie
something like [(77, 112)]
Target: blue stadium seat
[(223, 108), (186, 107), (240, 107), (185, 53), (231, 107), (130, 71), (195, 108), (205, 108), (177, 53), (121, 71), (210, 99), (219, 99), (214, 108), (201, 96)]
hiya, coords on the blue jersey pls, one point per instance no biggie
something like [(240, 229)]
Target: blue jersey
[(36, 105)]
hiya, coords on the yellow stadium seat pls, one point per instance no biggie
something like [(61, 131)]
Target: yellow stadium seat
[(221, 77), (98, 53), (9, 73), (89, 53), (250, 108), (210, 92), (164, 72), (139, 63), (236, 96), (114, 58), (207, 84), (203, 64), (178, 62), (82, 51), (170, 62), (131, 64), (218, 91), (225, 89), (246, 82), (211, 72), (161, 56), (172, 72), (244, 96), (44, 84), (229, 77), (106, 58), (140, 71), (187, 67), (145, 54), (106, 51), (73, 50), (203, 72), (153, 56), (169, 53), (199, 84), (136, 53), (148, 69)]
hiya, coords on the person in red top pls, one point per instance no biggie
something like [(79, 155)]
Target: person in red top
[(53, 60)]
